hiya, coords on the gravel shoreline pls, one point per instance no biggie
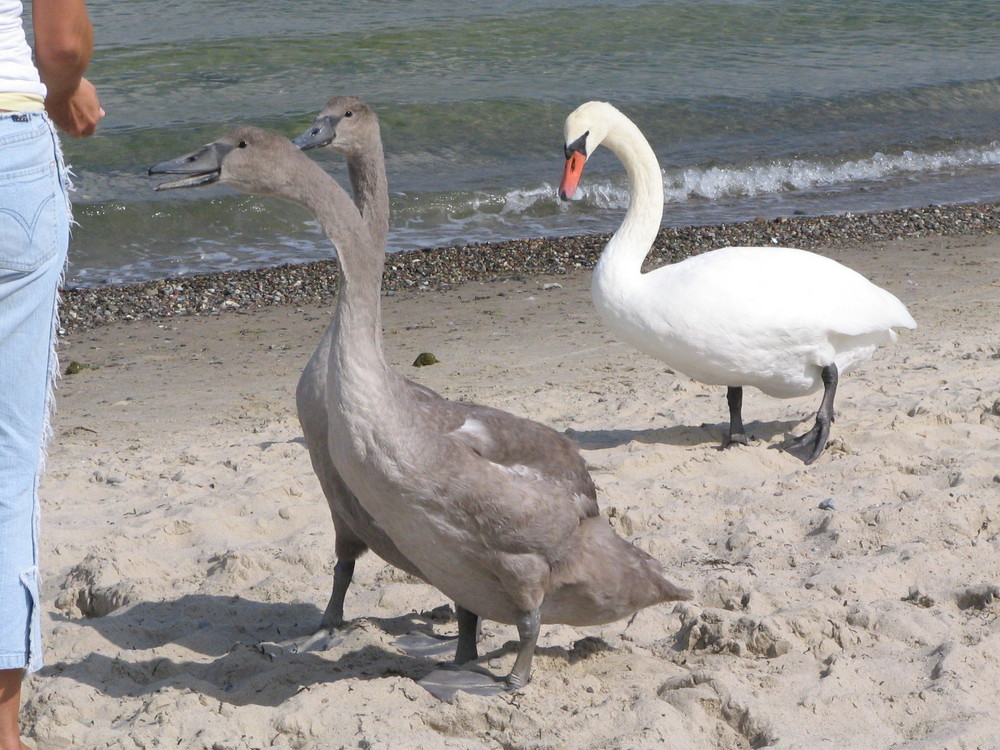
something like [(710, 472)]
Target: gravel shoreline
[(442, 268)]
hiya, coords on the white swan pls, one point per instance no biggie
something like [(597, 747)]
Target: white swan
[(510, 542), (782, 320)]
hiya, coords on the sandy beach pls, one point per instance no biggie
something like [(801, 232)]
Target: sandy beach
[(183, 526)]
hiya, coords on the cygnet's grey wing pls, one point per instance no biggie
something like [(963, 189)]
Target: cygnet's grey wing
[(520, 445), (514, 441)]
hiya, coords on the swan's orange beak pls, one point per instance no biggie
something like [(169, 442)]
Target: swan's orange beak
[(571, 175)]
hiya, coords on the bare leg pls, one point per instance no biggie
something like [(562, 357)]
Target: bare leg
[(468, 635), (734, 396), (820, 432), (10, 705), (528, 625)]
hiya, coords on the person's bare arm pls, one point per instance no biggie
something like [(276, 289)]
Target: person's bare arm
[(64, 41)]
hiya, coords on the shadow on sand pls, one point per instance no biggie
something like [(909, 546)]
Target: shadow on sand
[(683, 435), (227, 629)]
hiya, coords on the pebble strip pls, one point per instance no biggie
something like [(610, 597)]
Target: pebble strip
[(443, 268)]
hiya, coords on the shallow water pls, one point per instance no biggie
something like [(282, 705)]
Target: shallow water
[(754, 107)]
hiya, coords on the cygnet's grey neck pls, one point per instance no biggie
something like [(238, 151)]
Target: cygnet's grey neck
[(366, 170), (359, 313)]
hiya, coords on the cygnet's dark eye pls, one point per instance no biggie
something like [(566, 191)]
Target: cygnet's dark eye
[(348, 113), (241, 144)]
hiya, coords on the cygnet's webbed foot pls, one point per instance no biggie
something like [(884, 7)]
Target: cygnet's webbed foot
[(322, 640), (448, 679), (332, 628), (466, 647), (424, 644)]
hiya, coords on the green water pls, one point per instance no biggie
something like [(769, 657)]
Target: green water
[(754, 107)]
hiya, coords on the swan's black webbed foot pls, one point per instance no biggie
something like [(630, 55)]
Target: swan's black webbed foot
[(815, 440)]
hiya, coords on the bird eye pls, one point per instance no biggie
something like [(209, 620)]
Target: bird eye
[(348, 113), (241, 144)]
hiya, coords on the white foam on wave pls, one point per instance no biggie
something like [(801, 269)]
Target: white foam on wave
[(789, 175), (804, 174), (523, 200), (480, 215)]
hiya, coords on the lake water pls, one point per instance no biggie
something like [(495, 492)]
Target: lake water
[(754, 108)]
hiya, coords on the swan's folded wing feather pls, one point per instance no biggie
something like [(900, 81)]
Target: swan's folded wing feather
[(770, 292)]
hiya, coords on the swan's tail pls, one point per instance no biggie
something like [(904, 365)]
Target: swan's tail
[(608, 579)]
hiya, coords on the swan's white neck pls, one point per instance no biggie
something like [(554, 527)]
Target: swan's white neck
[(621, 261)]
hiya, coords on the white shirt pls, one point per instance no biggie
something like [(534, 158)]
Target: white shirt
[(17, 72)]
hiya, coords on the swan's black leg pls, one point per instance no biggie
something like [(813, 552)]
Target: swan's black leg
[(468, 633), (734, 396), (528, 626), (820, 432)]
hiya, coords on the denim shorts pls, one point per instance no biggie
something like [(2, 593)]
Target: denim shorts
[(34, 236)]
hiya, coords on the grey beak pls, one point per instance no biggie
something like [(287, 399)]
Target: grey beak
[(202, 167), (321, 133)]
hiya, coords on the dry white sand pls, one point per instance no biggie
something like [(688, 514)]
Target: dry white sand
[(183, 525)]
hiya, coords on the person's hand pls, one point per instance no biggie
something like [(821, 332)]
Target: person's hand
[(76, 112)]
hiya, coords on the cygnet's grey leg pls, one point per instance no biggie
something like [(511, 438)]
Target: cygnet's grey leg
[(329, 633), (528, 626), (734, 396), (468, 635), (343, 574), (820, 432), (445, 681)]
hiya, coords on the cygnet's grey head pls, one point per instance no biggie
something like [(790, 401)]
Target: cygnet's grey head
[(346, 125), (248, 159)]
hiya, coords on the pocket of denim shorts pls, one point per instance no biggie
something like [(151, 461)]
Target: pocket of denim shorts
[(34, 226)]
